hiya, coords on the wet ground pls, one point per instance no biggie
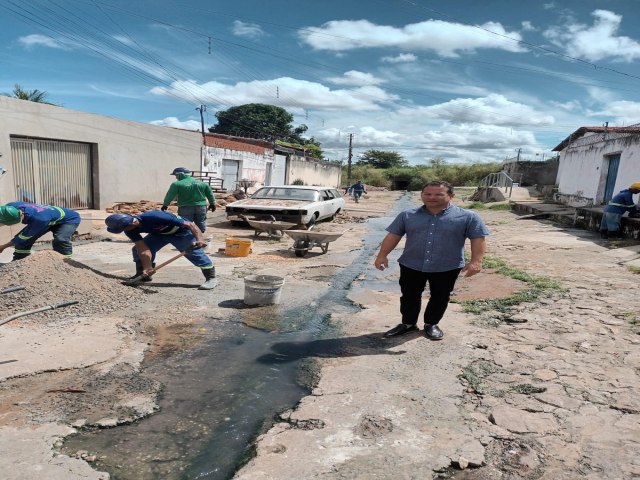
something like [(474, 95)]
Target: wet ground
[(215, 373)]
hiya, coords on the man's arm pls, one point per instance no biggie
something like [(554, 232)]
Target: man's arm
[(171, 194), (388, 244), (6, 245), (210, 196), (478, 247), (196, 233)]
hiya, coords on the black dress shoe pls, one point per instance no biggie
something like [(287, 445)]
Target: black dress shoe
[(400, 330), (433, 332)]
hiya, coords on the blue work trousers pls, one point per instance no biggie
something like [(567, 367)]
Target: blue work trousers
[(182, 240), (196, 214), (610, 222), (61, 241)]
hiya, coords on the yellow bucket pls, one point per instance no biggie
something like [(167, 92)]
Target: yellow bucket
[(237, 247)]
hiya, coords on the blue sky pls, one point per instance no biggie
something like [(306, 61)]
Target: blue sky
[(465, 81)]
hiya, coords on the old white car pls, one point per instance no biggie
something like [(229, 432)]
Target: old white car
[(297, 204)]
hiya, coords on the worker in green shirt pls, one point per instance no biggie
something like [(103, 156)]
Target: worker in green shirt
[(192, 196)]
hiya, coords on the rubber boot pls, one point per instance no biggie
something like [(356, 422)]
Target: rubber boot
[(210, 279), (140, 271)]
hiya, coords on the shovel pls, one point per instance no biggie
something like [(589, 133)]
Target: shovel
[(136, 280)]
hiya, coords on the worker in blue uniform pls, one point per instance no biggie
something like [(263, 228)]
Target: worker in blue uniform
[(621, 203), (357, 189), (39, 219), (163, 228)]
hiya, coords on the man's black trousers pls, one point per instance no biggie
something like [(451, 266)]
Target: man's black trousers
[(413, 283)]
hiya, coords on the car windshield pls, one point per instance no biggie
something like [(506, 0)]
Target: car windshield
[(282, 193)]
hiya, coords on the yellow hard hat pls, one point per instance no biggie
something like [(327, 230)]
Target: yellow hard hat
[(635, 185)]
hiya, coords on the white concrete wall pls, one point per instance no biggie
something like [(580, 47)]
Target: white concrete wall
[(583, 170), (314, 173), (133, 161), (252, 165)]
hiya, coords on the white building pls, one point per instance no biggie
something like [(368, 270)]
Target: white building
[(596, 163)]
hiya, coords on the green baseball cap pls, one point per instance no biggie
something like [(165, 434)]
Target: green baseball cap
[(9, 215)]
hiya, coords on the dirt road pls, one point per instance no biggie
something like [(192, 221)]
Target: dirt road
[(540, 382)]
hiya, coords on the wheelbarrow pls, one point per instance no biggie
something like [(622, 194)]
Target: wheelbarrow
[(273, 228), (305, 240)]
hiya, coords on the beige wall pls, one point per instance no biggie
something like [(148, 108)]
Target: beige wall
[(133, 161), (314, 173)]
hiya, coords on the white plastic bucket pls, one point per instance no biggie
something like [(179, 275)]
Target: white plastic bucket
[(262, 289)]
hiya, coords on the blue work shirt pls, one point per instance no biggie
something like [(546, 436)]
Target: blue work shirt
[(157, 222), (39, 219), (621, 202), (435, 243)]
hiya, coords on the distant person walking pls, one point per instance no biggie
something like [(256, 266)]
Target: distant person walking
[(434, 253), (612, 216), (39, 219), (357, 189), (192, 197)]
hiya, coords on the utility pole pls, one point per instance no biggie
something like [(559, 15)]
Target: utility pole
[(349, 160), (202, 109), (518, 157)]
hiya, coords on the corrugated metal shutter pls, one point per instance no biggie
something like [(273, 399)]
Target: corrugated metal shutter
[(54, 173)]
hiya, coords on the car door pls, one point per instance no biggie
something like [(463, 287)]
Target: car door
[(329, 204)]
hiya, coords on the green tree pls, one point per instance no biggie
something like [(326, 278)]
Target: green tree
[(36, 95), (382, 159), (258, 120)]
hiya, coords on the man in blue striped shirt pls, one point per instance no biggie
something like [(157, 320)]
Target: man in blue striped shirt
[(39, 219), (434, 252)]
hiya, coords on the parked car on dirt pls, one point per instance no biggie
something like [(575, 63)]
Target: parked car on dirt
[(298, 204)]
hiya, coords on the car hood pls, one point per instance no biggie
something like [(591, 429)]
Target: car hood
[(268, 202)]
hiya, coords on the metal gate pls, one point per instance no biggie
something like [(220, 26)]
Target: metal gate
[(53, 173), (230, 173)]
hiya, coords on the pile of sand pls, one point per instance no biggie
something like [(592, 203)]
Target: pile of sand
[(51, 279)]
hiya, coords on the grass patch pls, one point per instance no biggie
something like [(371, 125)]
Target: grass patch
[(538, 286), (474, 374), (475, 205), (633, 269), (527, 389)]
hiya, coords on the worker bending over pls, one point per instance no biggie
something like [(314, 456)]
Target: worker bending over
[(163, 228), (39, 219)]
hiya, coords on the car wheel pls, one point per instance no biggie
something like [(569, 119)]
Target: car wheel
[(301, 248)]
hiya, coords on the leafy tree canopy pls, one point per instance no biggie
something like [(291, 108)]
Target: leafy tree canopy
[(382, 159), (36, 95), (311, 147), (258, 120)]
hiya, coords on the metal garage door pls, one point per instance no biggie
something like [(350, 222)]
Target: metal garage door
[(54, 173), (230, 173)]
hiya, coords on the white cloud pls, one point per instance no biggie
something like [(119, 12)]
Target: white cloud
[(285, 92), (400, 58), (494, 109), (595, 42), (527, 26), (621, 112), (365, 137), (444, 38), (354, 77), (36, 40), (248, 30), (175, 123)]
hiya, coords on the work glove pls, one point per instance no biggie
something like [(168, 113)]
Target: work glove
[(212, 207), (164, 208)]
